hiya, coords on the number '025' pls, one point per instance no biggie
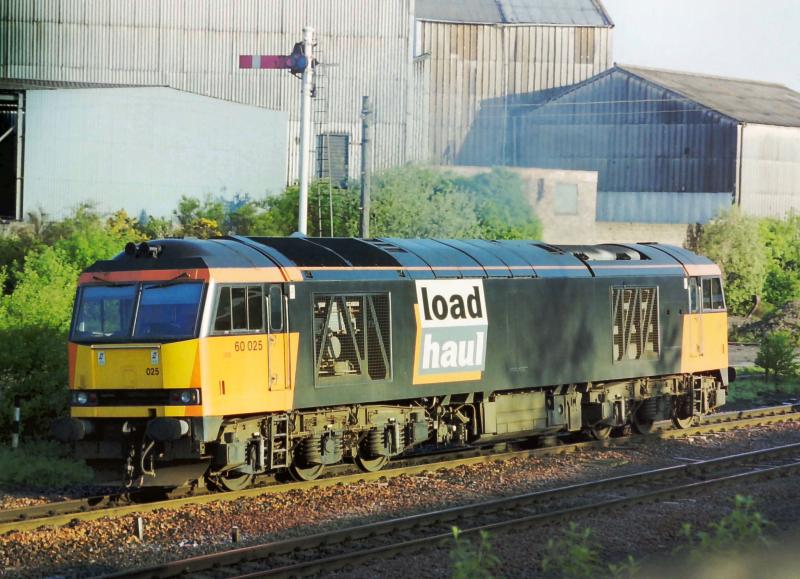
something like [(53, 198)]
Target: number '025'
[(151, 371)]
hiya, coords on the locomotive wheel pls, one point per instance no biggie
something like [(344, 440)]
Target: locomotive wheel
[(600, 431), (680, 417), (309, 473), (641, 425), (371, 464), (235, 480)]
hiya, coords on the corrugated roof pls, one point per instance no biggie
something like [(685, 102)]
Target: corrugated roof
[(746, 101), (17, 84), (553, 12)]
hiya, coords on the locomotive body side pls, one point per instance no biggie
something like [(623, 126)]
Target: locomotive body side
[(241, 356)]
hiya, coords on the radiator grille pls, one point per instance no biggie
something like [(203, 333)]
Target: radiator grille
[(352, 336), (636, 330)]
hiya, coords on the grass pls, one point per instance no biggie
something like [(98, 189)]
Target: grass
[(750, 386), (40, 465)]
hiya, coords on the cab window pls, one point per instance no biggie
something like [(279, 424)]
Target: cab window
[(694, 305), (275, 308), (713, 298), (239, 309)]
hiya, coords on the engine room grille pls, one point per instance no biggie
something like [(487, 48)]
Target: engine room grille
[(636, 331), (352, 336)]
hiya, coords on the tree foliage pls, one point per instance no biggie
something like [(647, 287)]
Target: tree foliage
[(733, 241), (415, 201), (781, 239)]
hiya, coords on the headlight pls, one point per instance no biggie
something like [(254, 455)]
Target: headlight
[(81, 398), (184, 397)]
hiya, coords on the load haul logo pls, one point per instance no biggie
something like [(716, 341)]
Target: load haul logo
[(452, 326)]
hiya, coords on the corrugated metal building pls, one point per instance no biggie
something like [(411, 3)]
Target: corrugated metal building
[(193, 45), (133, 148), (669, 147), (477, 50)]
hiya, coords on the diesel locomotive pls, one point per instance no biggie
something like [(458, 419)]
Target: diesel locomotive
[(224, 359)]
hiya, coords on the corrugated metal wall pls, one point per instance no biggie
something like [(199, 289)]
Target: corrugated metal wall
[(660, 158), (193, 45), (770, 184), (471, 63)]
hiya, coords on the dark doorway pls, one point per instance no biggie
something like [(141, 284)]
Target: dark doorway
[(9, 114)]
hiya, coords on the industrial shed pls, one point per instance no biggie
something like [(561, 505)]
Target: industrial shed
[(132, 148), (669, 147), (472, 51), (193, 46)]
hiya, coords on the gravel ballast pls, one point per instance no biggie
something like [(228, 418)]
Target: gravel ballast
[(94, 547)]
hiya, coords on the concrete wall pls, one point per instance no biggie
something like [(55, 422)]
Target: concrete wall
[(140, 149), (546, 188), (770, 170)]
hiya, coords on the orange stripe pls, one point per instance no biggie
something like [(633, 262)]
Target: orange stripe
[(142, 275), (247, 274), (705, 269), (664, 266)]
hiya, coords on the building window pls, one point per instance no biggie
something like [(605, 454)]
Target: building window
[(352, 337), (566, 199), (333, 157)]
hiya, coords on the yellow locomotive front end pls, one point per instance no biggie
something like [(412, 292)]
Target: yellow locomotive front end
[(136, 393), (164, 355)]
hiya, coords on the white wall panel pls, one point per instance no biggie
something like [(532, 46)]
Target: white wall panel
[(142, 148), (770, 180)]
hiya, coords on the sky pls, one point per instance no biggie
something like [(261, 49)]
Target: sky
[(752, 39)]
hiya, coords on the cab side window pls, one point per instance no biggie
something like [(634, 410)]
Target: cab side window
[(713, 298), (239, 309), (694, 302), (275, 308)]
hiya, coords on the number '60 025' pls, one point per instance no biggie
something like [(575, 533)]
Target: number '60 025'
[(248, 345)]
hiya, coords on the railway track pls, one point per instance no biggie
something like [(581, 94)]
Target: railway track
[(333, 550), (117, 505)]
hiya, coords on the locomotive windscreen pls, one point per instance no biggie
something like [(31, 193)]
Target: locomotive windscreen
[(160, 311)]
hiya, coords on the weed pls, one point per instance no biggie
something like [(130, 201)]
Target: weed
[(473, 561), (575, 555), (742, 528)]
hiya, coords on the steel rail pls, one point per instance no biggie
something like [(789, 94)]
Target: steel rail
[(227, 562), (65, 512)]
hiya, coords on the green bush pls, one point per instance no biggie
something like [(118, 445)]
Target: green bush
[(42, 465), (777, 354), (34, 321), (473, 560)]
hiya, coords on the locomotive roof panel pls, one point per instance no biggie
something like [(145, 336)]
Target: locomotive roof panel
[(185, 253), (336, 258)]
